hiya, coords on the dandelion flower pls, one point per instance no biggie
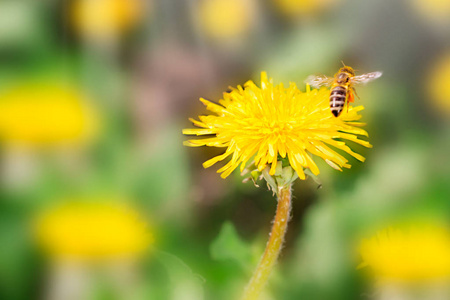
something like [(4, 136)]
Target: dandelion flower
[(414, 255), (272, 121), (45, 115), (280, 129), (435, 12), (437, 84), (106, 17), (92, 231), (225, 19), (305, 8)]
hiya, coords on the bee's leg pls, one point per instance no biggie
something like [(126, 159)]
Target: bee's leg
[(354, 90)]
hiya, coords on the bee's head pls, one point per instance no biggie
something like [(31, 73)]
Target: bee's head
[(348, 70)]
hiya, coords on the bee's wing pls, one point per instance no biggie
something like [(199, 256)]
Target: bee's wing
[(318, 81), (365, 78)]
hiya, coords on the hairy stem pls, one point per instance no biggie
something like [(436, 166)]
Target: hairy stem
[(274, 245)]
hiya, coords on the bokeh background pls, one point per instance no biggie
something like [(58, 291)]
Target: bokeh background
[(93, 97)]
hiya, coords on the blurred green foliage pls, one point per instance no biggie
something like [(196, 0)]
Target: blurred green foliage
[(146, 83)]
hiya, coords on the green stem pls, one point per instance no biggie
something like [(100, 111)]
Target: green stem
[(274, 245)]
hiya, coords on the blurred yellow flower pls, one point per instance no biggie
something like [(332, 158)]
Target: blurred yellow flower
[(414, 255), (106, 17), (42, 115), (434, 11), (225, 19), (271, 121), (298, 8), (90, 231), (438, 84)]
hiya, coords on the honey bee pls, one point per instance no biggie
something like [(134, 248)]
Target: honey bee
[(342, 90)]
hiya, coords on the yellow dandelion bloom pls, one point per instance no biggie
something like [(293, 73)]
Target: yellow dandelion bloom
[(48, 114), (272, 121), (105, 17), (224, 19), (92, 231), (295, 8), (433, 11), (408, 255), (437, 84)]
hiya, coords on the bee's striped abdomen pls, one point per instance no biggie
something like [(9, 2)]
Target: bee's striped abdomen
[(337, 99)]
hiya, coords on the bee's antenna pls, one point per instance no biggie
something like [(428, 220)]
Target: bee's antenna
[(342, 63)]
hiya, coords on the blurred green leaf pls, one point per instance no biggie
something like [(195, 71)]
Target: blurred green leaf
[(229, 246), (186, 284)]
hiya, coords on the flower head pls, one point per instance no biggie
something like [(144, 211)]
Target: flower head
[(304, 8), (413, 255), (106, 17), (437, 84), (272, 121), (225, 19), (92, 231), (434, 12), (46, 114)]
